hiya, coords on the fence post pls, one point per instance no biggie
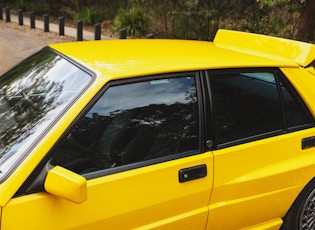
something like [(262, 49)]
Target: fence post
[(97, 31), (46, 23), (7, 15), (61, 26), (32, 20), (20, 16), (1, 16), (79, 30), (123, 34)]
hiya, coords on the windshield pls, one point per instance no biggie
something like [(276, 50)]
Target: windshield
[(32, 95)]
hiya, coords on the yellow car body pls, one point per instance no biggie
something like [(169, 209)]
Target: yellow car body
[(249, 184)]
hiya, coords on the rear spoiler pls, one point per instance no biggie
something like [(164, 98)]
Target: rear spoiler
[(301, 53)]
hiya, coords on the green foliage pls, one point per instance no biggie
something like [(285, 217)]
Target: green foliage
[(29, 6), (187, 19), (134, 20), (89, 15), (278, 2)]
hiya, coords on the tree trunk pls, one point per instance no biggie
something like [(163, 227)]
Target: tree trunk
[(307, 22)]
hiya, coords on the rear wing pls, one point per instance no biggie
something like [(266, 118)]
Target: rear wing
[(301, 53)]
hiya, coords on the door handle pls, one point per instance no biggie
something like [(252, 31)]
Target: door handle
[(192, 173), (308, 142)]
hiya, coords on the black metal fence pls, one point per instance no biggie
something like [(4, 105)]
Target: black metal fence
[(61, 25)]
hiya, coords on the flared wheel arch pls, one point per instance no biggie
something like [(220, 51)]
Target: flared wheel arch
[(291, 221)]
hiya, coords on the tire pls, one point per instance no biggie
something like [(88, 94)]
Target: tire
[(301, 215)]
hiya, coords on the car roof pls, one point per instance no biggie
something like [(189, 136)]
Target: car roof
[(134, 57)]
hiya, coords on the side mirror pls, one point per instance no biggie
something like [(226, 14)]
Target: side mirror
[(66, 184)]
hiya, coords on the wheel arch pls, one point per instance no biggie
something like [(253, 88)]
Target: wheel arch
[(295, 207)]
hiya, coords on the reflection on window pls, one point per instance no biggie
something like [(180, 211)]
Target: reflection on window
[(31, 96), (246, 105), (133, 123)]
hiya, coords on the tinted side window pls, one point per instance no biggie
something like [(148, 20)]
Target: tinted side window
[(133, 123), (296, 114), (245, 105)]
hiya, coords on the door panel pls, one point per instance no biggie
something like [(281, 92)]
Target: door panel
[(145, 198), (258, 181), (260, 166), (125, 130)]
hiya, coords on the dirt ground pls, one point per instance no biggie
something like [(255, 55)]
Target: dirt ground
[(18, 42)]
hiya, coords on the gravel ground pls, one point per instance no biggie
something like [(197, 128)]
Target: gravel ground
[(18, 42)]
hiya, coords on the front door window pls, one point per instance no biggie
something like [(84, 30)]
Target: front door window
[(132, 123)]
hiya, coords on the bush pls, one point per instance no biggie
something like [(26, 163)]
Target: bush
[(134, 20), (90, 15)]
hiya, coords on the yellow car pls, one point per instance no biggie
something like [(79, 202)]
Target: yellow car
[(160, 134)]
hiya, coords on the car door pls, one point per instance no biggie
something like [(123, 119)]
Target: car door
[(139, 145), (260, 123)]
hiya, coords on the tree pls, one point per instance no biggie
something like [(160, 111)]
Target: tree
[(302, 16), (307, 22)]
